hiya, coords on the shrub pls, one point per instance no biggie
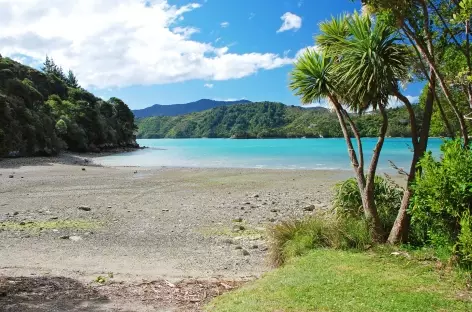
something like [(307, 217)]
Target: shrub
[(387, 195), (294, 238), (442, 202)]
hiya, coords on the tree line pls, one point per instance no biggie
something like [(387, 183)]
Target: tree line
[(272, 120), (44, 112)]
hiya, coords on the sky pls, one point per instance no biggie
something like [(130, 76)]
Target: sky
[(174, 51)]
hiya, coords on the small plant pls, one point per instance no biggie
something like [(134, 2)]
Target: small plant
[(293, 238), (347, 201), (100, 279)]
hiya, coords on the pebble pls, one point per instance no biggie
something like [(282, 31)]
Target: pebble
[(64, 237), (238, 247), (165, 210), (11, 176), (75, 238), (238, 220), (84, 208), (244, 252), (309, 208), (15, 213)]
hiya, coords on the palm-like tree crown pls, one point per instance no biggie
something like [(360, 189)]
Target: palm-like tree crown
[(369, 62), (311, 79)]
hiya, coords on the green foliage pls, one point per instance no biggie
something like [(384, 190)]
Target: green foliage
[(347, 202), (293, 238), (42, 113), (442, 201), (267, 120)]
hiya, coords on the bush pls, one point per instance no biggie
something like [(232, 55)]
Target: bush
[(441, 206), (387, 195), (294, 238)]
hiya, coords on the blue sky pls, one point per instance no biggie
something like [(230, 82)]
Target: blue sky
[(169, 52)]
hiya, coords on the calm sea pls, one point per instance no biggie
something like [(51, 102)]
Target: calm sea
[(270, 153)]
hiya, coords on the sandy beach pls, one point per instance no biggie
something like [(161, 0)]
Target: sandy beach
[(65, 217)]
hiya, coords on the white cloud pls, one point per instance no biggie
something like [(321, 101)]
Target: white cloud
[(208, 85), (224, 24), (111, 43), (252, 15), (290, 21), (217, 39), (187, 32), (300, 3)]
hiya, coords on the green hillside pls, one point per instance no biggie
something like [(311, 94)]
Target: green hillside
[(266, 120), (42, 113)]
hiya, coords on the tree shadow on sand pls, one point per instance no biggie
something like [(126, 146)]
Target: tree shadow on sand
[(49, 294)]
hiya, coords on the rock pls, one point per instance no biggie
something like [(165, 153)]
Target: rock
[(22, 223), (238, 219), (244, 252), (64, 237), (75, 238), (11, 176), (165, 210), (84, 208), (53, 218), (247, 203), (238, 228), (242, 208), (238, 247), (256, 196), (228, 241), (109, 207), (254, 246), (15, 213), (309, 208), (272, 220), (274, 210), (83, 169)]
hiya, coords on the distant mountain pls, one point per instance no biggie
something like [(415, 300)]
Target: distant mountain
[(266, 120), (182, 109)]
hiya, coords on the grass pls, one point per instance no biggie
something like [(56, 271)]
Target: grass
[(336, 280), (51, 224)]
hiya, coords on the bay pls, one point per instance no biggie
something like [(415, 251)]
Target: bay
[(323, 154)]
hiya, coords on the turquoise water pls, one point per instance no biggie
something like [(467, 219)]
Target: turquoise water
[(270, 154)]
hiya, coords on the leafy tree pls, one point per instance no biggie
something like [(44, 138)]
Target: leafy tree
[(361, 65), (72, 80)]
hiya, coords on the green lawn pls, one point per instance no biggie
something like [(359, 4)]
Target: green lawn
[(329, 280)]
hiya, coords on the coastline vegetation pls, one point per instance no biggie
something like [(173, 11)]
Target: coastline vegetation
[(270, 120), (44, 112)]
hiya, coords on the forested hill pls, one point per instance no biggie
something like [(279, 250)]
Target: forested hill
[(182, 109), (266, 120), (44, 112)]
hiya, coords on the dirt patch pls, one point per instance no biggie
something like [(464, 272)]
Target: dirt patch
[(65, 294)]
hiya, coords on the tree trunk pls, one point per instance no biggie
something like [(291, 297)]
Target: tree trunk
[(433, 66), (371, 212), (401, 227)]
